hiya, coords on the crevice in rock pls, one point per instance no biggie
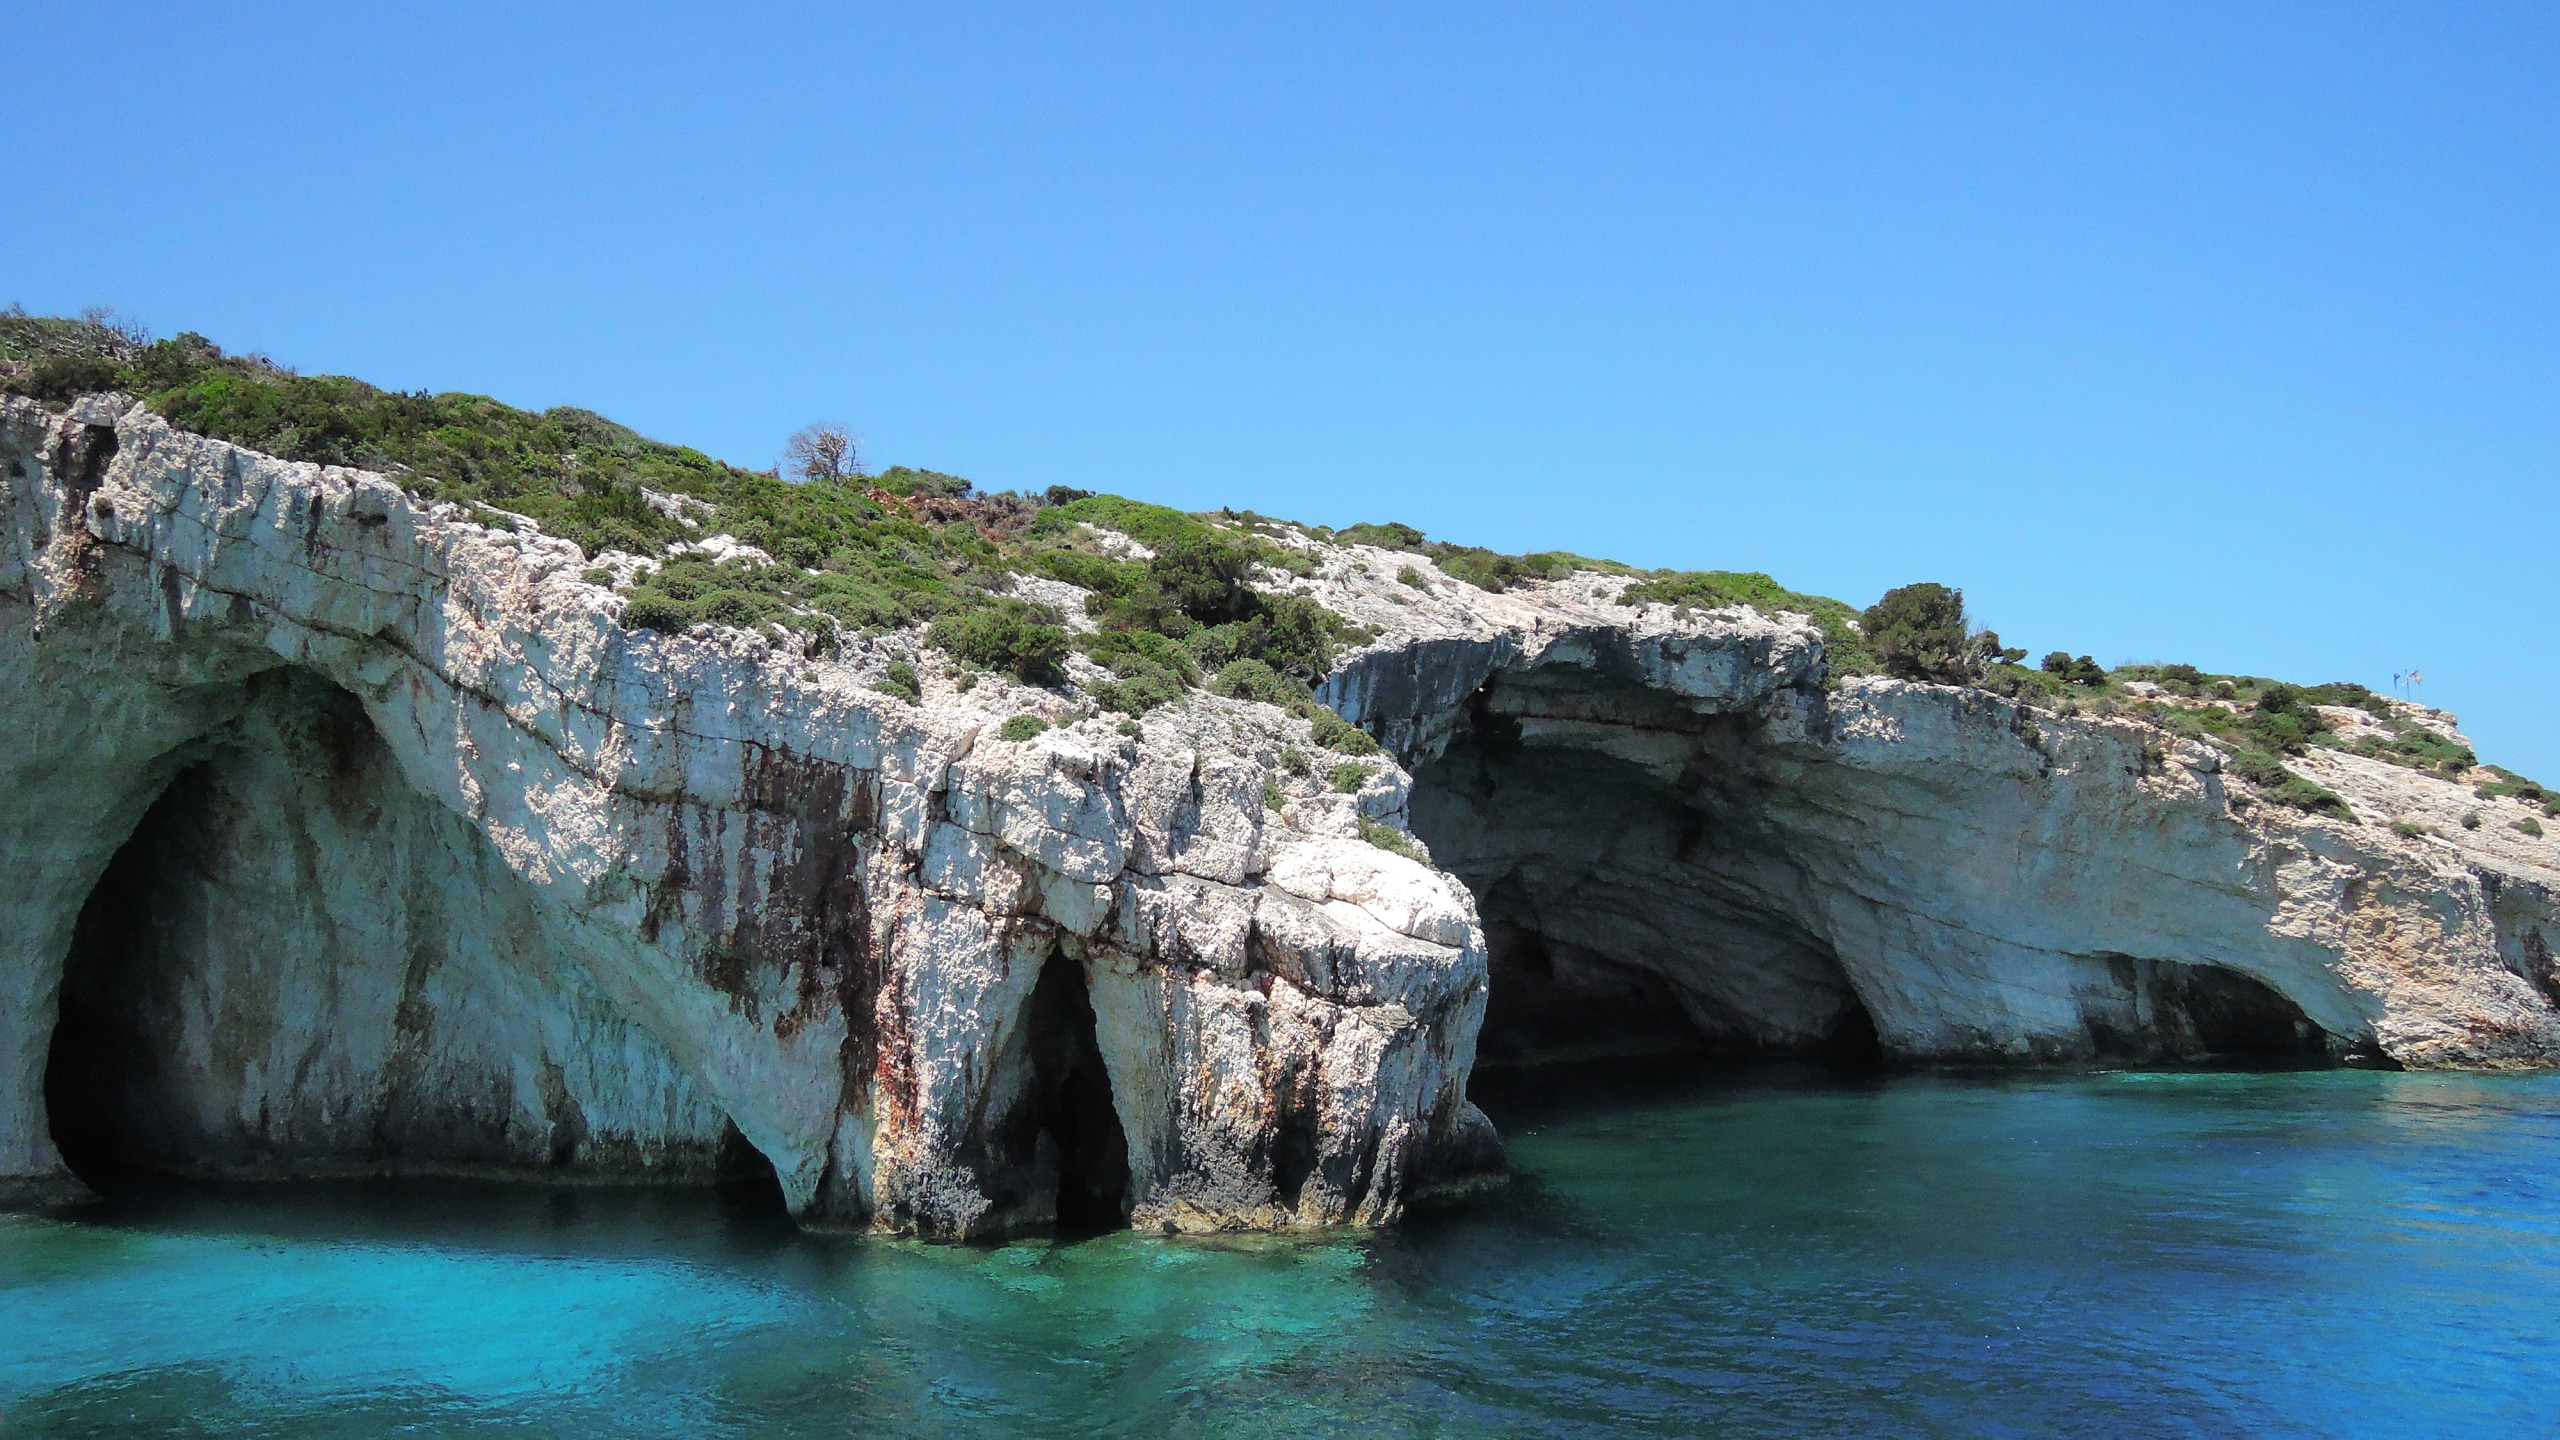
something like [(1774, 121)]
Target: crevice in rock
[(1294, 1155)]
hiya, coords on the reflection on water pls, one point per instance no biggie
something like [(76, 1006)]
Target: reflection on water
[(1767, 1253)]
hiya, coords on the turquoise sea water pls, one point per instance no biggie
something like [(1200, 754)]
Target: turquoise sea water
[(2330, 1254)]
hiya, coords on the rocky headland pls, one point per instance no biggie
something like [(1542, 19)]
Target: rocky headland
[(354, 830)]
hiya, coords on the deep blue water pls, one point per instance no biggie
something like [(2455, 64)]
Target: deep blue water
[(2331, 1254)]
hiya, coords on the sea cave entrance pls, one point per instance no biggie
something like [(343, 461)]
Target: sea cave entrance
[(104, 1094), (1063, 1154), (2205, 1014), (250, 984), (1641, 879), (298, 965), (1633, 906)]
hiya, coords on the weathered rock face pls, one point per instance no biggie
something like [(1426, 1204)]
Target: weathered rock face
[(429, 864), (1659, 826), (298, 964), (347, 834)]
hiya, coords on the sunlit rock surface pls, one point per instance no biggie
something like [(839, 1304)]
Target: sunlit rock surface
[(348, 834), (433, 866), (1681, 839)]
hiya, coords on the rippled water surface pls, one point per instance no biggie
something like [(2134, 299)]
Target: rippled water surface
[(1772, 1254)]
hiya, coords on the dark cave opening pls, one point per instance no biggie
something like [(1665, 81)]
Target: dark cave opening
[(1633, 911), (297, 966), (1071, 1122), (102, 1094), (750, 1191), (2211, 1015), (1639, 879)]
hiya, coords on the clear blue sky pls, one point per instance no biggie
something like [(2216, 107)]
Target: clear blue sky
[(2222, 333)]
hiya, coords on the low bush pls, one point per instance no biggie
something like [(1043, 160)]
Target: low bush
[(1148, 669), (1347, 778), (1274, 799), (2530, 826), (61, 377), (900, 680), (1011, 636), (1335, 733), (2509, 783), (656, 610), (2281, 786), (2081, 670), (1392, 840), (1253, 680), (1021, 728), (1386, 536)]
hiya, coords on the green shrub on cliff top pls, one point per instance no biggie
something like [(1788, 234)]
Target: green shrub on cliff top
[(1009, 635), (914, 547), (1392, 840), (2283, 787), (1919, 632), (1843, 643)]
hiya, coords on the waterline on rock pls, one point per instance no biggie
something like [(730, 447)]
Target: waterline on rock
[(1759, 1251)]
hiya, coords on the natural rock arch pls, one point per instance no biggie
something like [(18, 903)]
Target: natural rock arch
[(1633, 902), (297, 965), (1733, 858), (831, 910)]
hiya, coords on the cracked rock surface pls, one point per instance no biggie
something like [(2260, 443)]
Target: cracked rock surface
[(349, 835), (427, 864)]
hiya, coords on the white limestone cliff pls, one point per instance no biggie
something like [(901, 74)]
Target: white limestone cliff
[(369, 840), (676, 884), (1676, 812)]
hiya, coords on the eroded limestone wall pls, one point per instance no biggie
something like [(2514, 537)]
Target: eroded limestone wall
[(297, 965), (1976, 881), (828, 909)]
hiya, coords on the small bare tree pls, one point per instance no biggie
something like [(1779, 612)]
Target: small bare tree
[(115, 332), (824, 451)]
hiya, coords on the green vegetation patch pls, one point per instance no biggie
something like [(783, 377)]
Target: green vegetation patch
[(2509, 784), (868, 554), (921, 548), (1485, 569), (1388, 838), (1843, 643), (2283, 787)]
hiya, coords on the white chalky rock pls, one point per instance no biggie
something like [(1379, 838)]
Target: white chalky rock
[(346, 833)]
